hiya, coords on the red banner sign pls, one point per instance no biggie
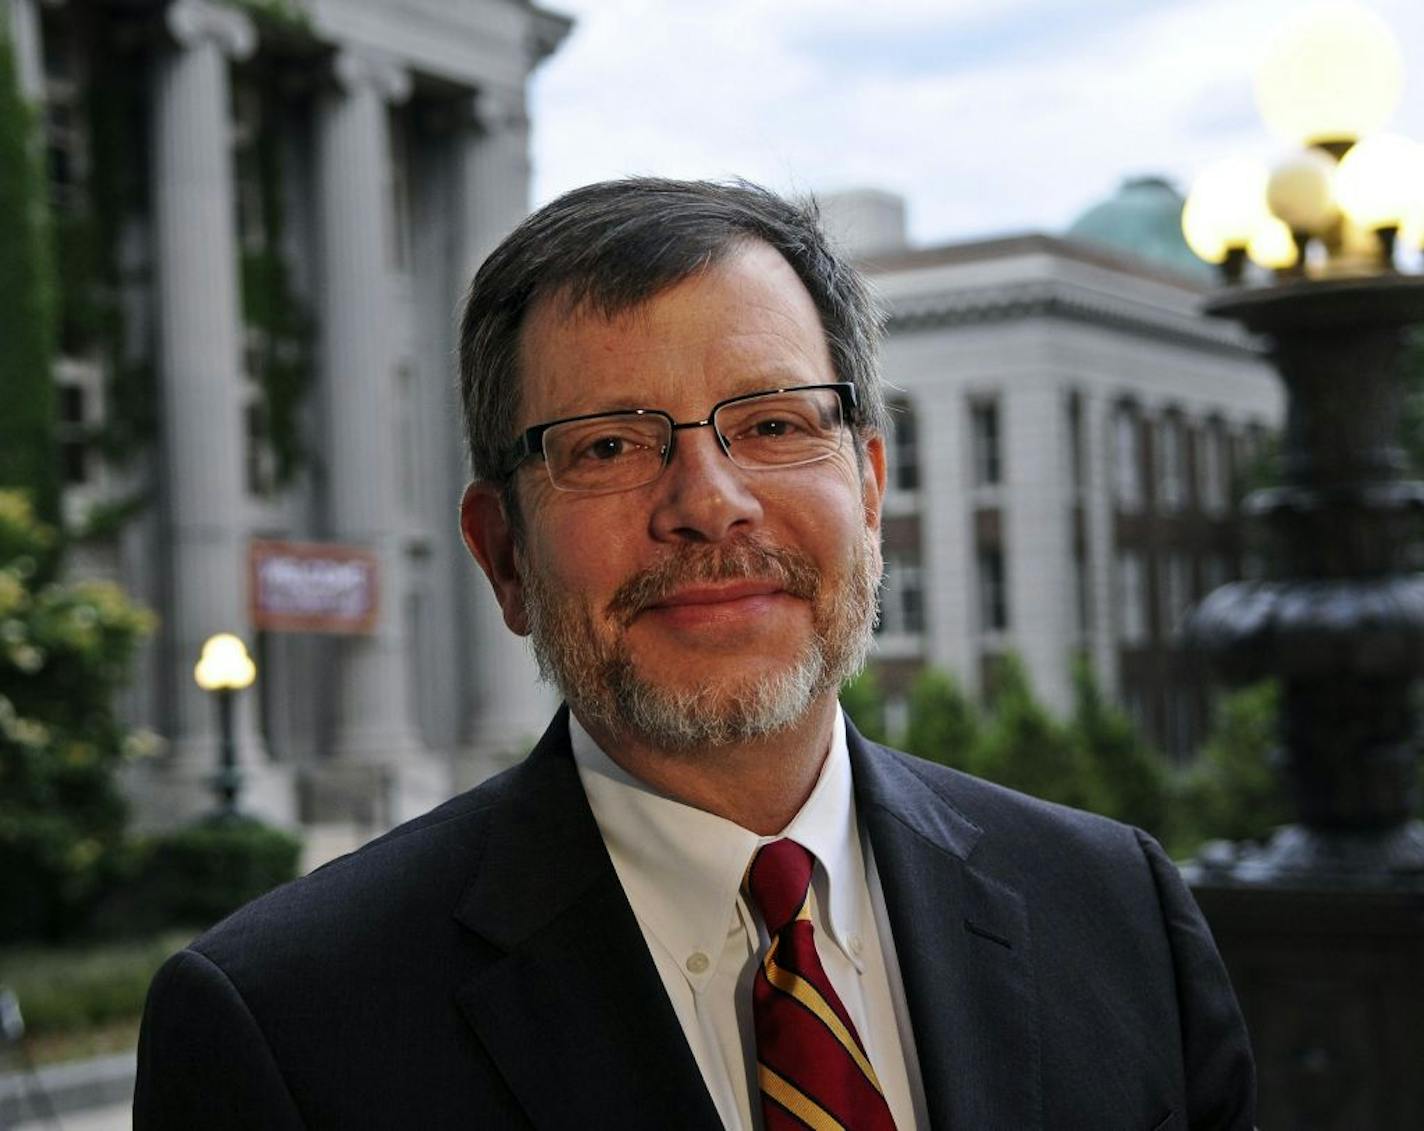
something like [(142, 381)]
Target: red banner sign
[(312, 587)]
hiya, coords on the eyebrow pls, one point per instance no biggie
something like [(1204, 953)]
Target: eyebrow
[(777, 377)]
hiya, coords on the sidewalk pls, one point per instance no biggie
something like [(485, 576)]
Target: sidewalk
[(112, 1117), (86, 1095)]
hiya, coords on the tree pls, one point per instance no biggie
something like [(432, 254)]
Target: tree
[(1127, 780), (1232, 791), (861, 700), (65, 649), (1025, 748), (944, 725), (29, 453)]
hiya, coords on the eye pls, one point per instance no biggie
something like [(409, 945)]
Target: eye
[(774, 426)]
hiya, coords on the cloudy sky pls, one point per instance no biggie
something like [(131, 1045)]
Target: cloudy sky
[(988, 116)]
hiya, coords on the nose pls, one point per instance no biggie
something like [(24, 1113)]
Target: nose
[(702, 496)]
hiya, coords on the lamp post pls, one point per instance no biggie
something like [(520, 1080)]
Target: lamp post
[(1323, 925), (225, 669)]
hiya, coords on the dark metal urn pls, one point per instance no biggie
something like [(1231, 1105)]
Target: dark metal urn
[(1323, 925)]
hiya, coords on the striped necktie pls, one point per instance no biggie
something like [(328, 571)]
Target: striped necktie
[(811, 1066)]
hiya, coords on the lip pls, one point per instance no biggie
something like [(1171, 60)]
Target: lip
[(717, 594)]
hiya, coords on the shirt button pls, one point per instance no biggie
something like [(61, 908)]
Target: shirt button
[(697, 963), (855, 945)]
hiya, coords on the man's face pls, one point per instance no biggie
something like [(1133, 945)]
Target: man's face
[(716, 603)]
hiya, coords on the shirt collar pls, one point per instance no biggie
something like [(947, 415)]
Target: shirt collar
[(682, 867)]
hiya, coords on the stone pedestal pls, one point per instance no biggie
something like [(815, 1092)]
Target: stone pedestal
[(1329, 981)]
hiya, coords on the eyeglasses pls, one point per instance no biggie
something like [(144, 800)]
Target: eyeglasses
[(617, 451)]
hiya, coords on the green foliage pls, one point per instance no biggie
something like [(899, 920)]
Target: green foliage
[(1232, 790), (944, 725), (65, 648), (1025, 748), (1126, 779), (205, 871), (286, 14), (270, 304), (72, 988), (861, 700), (29, 450)]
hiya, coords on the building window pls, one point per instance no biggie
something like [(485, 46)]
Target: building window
[(1077, 464), (65, 133), (1127, 459), (1131, 598), (1176, 593), (1211, 469), (993, 593), (904, 453), (902, 597), (260, 472), (73, 433), (247, 166), (984, 443), (1171, 465)]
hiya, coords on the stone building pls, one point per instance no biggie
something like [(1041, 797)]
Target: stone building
[(265, 215), (1071, 435)]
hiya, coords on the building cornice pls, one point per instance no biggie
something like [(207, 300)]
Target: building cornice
[(1065, 301)]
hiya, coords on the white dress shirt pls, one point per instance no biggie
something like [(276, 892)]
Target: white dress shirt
[(682, 870)]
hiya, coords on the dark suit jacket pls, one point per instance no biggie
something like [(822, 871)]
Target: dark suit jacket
[(480, 968)]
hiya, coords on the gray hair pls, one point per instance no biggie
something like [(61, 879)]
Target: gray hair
[(611, 247)]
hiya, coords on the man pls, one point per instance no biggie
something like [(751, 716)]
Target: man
[(703, 900)]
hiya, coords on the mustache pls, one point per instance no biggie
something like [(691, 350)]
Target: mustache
[(744, 560)]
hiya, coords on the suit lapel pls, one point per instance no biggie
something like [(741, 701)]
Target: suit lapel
[(573, 1012), (962, 941)]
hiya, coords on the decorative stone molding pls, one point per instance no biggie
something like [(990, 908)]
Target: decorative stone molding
[(1058, 300), (358, 68), (495, 110), (191, 22)]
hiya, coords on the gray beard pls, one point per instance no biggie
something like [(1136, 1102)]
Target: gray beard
[(597, 676)]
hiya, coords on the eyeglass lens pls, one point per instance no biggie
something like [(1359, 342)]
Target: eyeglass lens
[(618, 451)]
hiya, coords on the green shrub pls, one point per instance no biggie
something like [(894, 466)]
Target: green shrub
[(944, 725), (65, 649), (205, 871), (1232, 790), (1127, 779), (70, 988), (862, 701)]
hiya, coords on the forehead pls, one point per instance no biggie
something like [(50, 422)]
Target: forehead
[(744, 323)]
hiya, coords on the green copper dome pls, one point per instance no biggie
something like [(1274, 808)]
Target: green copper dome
[(1143, 218)]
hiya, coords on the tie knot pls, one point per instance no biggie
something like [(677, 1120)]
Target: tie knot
[(777, 881)]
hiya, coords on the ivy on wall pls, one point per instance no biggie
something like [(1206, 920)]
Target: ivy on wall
[(29, 452), (279, 322)]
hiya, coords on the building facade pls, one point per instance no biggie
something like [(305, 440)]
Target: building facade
[(265, 215), (1071, 438)]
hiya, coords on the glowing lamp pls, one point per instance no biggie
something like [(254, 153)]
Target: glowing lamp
[(1225, 208), (1334, 75), (1273, 246), (1301, 192), (224, 664), (1380, 181)]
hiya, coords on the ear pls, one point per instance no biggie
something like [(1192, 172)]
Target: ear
[(872, 479), (490, 540)]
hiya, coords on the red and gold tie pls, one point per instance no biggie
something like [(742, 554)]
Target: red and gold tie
[(811, 1066)]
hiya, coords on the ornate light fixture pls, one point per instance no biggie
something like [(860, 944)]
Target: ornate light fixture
[(1318, 922), (224, 669)]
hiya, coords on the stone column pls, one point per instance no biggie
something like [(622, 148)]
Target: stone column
[(199, 349), (26, 43), (508, 704), (373, 743)]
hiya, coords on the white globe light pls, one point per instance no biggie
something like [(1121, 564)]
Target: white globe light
[(1335, 73), (1225, 208), (224, 664), (1301, 192), (1272, 245), (1380, 181)]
